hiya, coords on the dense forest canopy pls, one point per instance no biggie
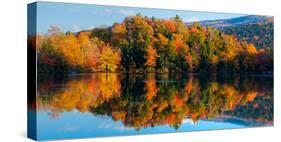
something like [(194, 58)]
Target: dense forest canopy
[(141, 44), (259, 33)]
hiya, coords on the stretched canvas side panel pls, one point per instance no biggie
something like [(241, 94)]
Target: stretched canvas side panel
[(31, 71)]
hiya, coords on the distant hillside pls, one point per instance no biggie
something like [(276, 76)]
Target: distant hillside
[(221, 23), (253, 29), (260, 33)]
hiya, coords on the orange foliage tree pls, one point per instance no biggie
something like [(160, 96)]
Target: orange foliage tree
[(151, 57)]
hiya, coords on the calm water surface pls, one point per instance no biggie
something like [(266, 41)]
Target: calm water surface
[(108, 104)]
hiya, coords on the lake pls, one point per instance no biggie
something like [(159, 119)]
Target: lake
[(110, 104)]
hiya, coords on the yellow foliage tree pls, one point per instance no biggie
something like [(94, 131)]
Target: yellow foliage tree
[(109, 59), (71, 50)]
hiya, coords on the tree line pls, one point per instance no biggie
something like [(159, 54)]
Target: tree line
[(141, 44)]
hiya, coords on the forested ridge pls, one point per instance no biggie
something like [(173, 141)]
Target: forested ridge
[(259, 33), (141, 44)]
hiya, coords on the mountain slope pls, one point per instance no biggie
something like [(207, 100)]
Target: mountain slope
[(231, 22), (253, 29), (260, 33)]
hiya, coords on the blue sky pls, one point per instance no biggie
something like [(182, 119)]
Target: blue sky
[(76, 17)]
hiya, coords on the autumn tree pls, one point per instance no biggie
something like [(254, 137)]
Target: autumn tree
[(90, 50), (71, 50), (140, 35), (151, 57), (109, 59)]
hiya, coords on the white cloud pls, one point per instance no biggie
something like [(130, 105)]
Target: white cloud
[(102, 12), (121, 128), (191, 19), (91, 27), (115, 126), (81, 28), (76, 29), (190, 121), (126, 12), (108, 11), (69, 127)]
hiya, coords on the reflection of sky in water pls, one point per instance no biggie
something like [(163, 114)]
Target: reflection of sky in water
[(66, 113), (77, 125)]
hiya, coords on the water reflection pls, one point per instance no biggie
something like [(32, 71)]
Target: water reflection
[(142, 101)]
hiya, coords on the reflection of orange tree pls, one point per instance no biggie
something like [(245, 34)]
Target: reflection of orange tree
[(171, 103), (260, 110), (151, 87), (166, 102), (81, 94)]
